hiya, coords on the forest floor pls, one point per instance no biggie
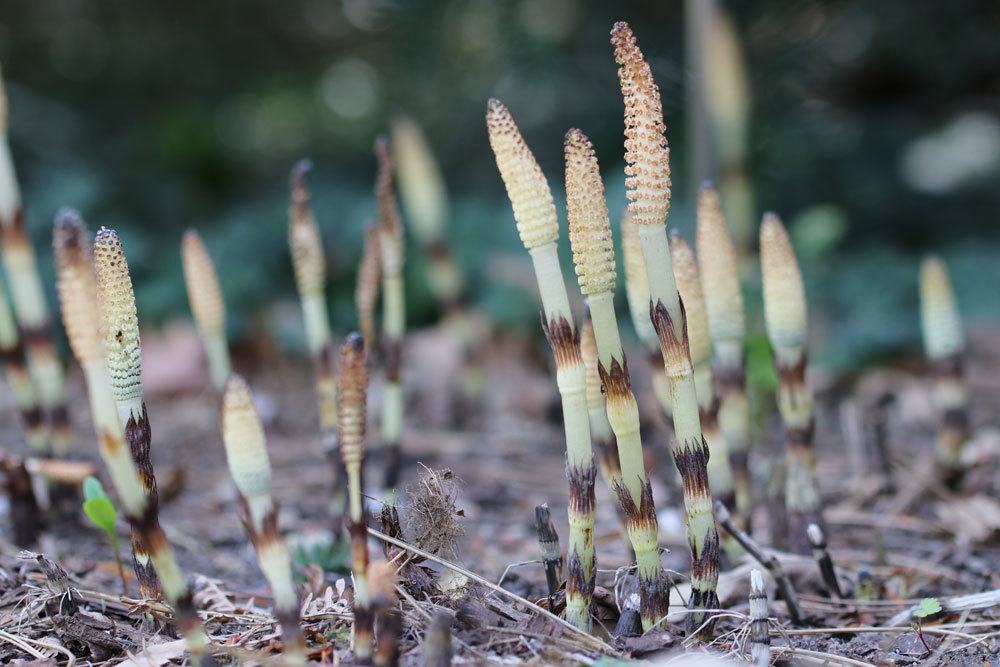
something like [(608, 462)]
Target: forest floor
[(492, 436)]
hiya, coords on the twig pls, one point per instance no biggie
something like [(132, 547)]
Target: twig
[(768, 561), (825, 658), (594, 641)]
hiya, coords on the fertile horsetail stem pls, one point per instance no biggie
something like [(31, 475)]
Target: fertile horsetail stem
[(720, 280), (760, 638), (352, 387), (18, 377), (944, 345), (123, 359), (392, 251), (601, 434), (153, 557), (207, 305), (538, 227), (367, 287), (637, 293), (250, 468), (309, 264), (594, 259), (817, 540), (647, 182), (548, 542), (720, 472), (425, 199), (29, 301), (785, 316)]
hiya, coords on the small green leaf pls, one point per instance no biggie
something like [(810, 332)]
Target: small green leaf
[(102, 513), (92, 489), (928, 607)]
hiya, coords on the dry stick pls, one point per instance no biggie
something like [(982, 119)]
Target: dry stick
[(425, 199), (352, 387), (133, 475), (817, 540), (538, 227), (944, 345), (584, 636), (29, 301), (637, 295), (770, 562), (367, 288), (760, 646), (548, 540), (207, 305), (720, 280), (309, 264), (786, 319), (647, 185), (392, 249), (250, 468), (18, 376), (594, 259), (720, 471)]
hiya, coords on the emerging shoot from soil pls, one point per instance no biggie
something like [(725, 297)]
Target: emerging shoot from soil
[(720, 280), (944, 345), (250, 467), (29, 301), (153, 557), (760, 638), (647, 182), (786, 319), (207, 305), (594, 259), (352, 386), (392, 251), (538, 227)]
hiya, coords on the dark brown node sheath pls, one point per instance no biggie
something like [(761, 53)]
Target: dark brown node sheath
[(817, 539), (364, 615), (654, 593), (139, 436), (25, 515), (548, 541), (390, 628)]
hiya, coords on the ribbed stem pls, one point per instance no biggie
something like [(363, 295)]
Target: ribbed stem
[(690, 450), (760, 638), (393, 327), (217, 354)]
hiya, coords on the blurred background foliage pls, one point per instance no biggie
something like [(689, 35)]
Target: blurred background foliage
[(874, 129)]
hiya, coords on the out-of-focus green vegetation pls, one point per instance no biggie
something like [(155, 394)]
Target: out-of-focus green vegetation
[(875, 132)]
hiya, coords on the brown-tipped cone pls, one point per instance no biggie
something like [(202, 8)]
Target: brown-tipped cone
[(784, 294), (647, 174), (719, 264), (202, 283), (352, 385), (939, 317), (689, 286), (420, 182), (121, 342), (76, 283), (530, 197), (590, 228), (308, 258)]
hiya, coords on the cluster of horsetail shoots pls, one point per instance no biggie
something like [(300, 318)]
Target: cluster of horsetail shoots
[(309, 265), (392, 252), (153, 558), (425, 199), (720, 472), (944, 345), (720, 279), (30, 307), (594, 259), (647, 183), (538, 227), (637, 294), (352, 385), (18, 377), (250, 468), (786, 320), (207, 305), (367, 288)]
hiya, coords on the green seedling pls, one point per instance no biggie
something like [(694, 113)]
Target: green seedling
[(102, 513), (928, 607)]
